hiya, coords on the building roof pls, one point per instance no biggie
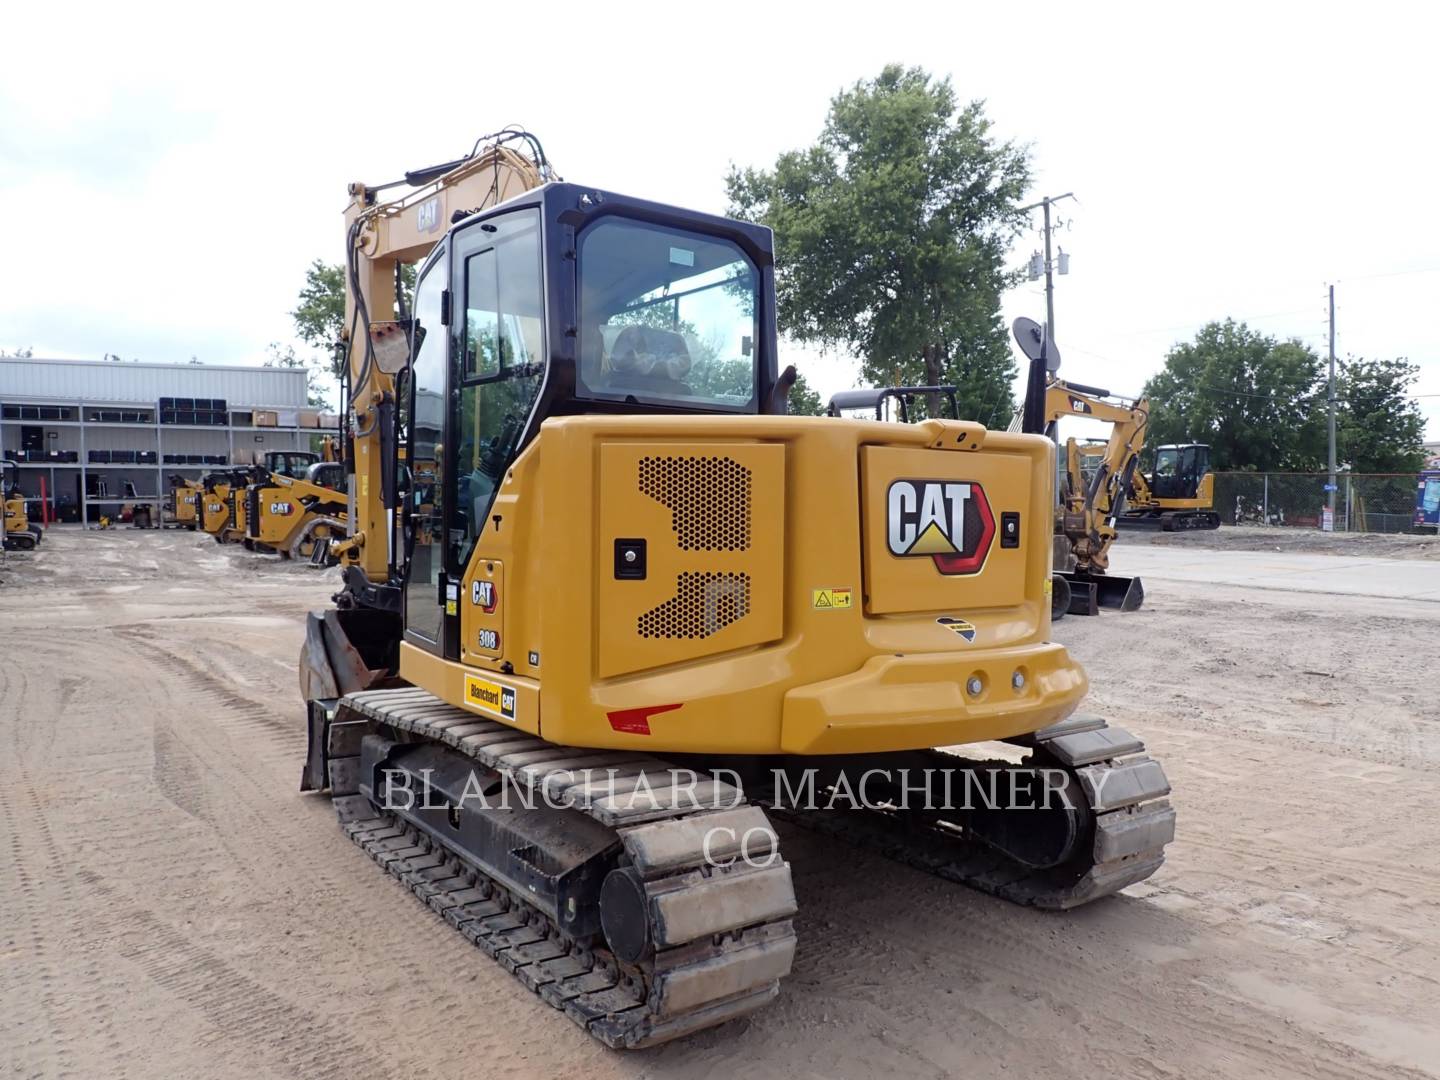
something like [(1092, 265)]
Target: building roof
[(96, 381)]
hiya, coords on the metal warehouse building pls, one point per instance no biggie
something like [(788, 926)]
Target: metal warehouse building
[(92, 435)]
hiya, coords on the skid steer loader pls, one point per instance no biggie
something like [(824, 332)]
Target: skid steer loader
[(16, 531), (183, 501), (619, 609), (298, 518)]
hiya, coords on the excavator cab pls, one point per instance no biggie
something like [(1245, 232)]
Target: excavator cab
[(1178, 470), (565, 301), (291, 463)]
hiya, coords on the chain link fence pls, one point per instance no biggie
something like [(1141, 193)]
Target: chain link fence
[(1364, 502)]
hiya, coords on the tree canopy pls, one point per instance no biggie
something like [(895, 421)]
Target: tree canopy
[(320, 316), (1260, 403), (891, 232), (1379, 426)]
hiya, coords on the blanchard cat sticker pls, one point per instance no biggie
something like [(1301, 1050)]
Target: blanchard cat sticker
[(489, 696), (947, 521)]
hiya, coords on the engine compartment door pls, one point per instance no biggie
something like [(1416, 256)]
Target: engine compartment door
[(943, 529)]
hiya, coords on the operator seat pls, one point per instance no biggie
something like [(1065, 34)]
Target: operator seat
[(648, 359)]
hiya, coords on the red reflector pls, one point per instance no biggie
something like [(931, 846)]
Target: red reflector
[(637, 721)]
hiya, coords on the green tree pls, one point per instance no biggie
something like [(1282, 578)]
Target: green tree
[(1379, 426), (1256, 400), (803, 401), (19, 354), (891, 233), (320, 314)]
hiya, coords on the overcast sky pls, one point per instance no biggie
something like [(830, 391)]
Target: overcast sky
[(168, 173)]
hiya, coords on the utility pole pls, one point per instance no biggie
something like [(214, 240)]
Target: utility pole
[(1330, 492), (1049, 264)]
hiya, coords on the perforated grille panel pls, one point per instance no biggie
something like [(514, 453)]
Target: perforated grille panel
[(703, 604), (708, 499)]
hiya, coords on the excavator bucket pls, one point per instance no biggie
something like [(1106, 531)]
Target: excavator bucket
[(1091, 592), (346, 650)]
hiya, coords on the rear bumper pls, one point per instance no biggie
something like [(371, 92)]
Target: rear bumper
[(915, 701)]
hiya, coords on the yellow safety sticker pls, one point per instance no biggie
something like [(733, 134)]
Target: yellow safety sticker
[(832, 599), (495, 698), (450, 608)]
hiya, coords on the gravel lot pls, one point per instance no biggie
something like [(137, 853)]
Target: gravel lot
[(172, 906)]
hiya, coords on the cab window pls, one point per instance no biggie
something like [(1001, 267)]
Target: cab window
[(667, 317)]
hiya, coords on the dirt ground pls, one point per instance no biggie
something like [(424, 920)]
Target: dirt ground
[(170, 905), (1279, 538)]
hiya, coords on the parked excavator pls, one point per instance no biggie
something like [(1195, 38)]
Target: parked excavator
[(1093, 484), (1178, 494), (16, 531), (612, 558)]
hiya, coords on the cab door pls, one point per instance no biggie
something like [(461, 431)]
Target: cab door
[(426, 597)]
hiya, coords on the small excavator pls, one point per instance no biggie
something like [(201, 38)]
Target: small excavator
[(1178, 494), (606, 609), (16, 531), (1093, 483)]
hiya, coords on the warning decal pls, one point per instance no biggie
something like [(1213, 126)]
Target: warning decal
[(832, 599)]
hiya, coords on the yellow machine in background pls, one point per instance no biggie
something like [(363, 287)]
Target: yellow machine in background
[(1093, 481), (183, 502), (16, 531), (298, 518), (222, 504), (1178, 494), (623, 561)]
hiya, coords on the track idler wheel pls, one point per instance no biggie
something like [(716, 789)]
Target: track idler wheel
[(624, 914)]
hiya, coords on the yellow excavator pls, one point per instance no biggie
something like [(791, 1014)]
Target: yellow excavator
[(1178, 494), (16, 531), (630, 610), (1093, 482)]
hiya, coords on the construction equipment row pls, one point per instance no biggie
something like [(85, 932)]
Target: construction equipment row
[(291, 504)]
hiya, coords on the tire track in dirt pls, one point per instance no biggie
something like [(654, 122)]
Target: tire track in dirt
[(239, 1010)]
